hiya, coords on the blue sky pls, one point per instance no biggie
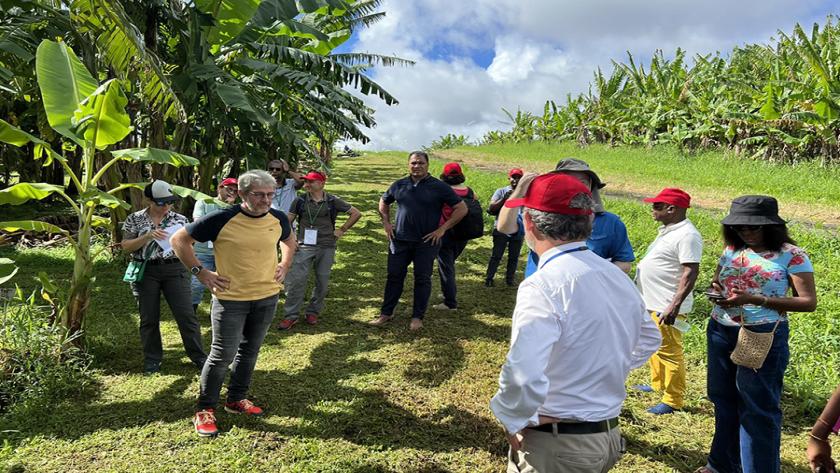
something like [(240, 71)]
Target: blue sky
[(475, 58)]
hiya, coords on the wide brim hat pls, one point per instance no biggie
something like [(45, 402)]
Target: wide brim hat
[(579, 165), (754, 210)]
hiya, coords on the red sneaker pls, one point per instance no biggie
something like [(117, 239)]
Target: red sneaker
[(243, 407), (205, 423), (312, 319), (286, 324)]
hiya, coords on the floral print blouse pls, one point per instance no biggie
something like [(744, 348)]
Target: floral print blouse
[(139, 223)]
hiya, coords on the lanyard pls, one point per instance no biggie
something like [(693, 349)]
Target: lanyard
[(317, 212), (580, 248)]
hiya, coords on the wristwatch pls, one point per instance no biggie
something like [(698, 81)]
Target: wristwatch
[(196, 269)]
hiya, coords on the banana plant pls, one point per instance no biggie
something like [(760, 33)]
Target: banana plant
[(92, 117)]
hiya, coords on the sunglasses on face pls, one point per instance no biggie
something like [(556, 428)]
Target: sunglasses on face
[(275, 169), (746, 228), (163, 204), (660, 206)]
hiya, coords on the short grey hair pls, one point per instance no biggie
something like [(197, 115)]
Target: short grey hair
[(255, 178), (565, 227)]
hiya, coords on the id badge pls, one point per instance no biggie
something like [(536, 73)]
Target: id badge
[(310, 236)]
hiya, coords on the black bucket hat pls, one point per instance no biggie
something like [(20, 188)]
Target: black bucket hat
[(754, 210), (579, 165)]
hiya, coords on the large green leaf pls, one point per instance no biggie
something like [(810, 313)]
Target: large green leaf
[(231, 17), (7, 269), (234, 97), (17, 137), (64, 82), (155, 155), (97, 197), (25, 191), (102, 115), (31, 226)]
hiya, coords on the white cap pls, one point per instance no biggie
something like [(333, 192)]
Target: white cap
[(160, 191)]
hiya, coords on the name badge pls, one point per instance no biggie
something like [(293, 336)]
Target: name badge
[(209, 244), (310, 236)]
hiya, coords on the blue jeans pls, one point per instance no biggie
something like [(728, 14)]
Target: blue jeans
[(400, 254), (450, 250), (209, 263), (748, 414), (239, 328)]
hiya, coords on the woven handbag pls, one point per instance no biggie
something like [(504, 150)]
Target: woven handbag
[(752, 347)]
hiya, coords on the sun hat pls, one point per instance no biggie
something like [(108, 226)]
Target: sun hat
[(553, 192), (753, 210), (579, 165), (671, 196), (160, 192)]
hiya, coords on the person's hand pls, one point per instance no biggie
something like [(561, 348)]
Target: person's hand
[(522, 187), (280, 273), (738, 297), (669, 315), (389, 229), (213, 280), (285, 165), (819, 456), (338, 233), (435, 236), (157, 234), (515, 440)]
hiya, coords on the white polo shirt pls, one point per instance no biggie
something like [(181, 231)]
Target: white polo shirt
[(658, 273), (579, 327)]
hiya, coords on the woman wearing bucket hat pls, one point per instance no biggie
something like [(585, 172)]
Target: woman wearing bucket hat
[(146, 235), (759, 266)]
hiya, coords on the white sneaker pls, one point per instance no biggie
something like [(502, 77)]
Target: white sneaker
[(443, 306)]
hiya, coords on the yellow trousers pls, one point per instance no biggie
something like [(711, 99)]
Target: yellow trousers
[(667, 366)]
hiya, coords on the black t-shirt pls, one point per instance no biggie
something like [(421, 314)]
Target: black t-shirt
[(419, 206)]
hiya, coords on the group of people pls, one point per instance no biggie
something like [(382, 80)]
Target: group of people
[(579, 326)]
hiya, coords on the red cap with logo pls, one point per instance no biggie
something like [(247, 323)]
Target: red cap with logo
[(315, 176), (553, 193), (515, 172), (452, 169), (230, 181), (671, 196)]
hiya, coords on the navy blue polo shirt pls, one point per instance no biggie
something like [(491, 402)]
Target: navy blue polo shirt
[(418, 206)]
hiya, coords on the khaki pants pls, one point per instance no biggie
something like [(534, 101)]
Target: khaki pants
[(667, 365), (545, 452)]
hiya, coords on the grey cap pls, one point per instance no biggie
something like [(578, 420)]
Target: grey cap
[(579, 165)]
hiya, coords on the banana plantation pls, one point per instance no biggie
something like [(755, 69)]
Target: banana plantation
[(779, 101)]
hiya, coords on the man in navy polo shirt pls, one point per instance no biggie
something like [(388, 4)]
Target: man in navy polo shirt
[(416, 236)]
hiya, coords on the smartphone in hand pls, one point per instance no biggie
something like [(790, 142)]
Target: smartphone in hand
[(714, 295)]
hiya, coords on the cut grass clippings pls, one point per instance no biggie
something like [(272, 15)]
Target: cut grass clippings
[(341, 396)]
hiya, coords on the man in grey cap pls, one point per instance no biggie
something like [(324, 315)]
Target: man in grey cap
[(609, 234)]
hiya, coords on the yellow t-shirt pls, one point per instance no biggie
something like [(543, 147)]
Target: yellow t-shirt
[(245, 247)]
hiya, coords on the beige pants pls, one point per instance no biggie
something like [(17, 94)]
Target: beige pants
[(544, 452)]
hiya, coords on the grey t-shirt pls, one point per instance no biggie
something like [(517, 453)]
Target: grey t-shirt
[(318, 215)]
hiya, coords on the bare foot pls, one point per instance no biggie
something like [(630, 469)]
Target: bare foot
[(416, 324)]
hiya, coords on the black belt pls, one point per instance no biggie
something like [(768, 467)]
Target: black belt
[(578, 427), (163, 261)]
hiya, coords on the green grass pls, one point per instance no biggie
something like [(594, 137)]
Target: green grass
[(805, 191), (344, 397)]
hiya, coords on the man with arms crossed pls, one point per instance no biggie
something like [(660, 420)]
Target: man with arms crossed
[(665, 277), (579, 327), (245, 290)]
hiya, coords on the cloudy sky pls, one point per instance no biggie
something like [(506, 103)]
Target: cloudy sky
[(475, 57)]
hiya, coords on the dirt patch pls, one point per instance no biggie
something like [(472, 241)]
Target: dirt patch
[(813, 215)]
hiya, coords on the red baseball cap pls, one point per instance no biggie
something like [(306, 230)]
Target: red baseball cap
[(452, 169), (515, 172), (672, 196), (230, 181), (553, 193), (315, 176)]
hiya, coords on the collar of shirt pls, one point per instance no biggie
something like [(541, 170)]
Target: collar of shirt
[(559, 248), (663, 229), (415, 184)]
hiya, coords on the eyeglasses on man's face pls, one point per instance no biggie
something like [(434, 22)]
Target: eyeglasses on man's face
[(276, 169), (261, 195)]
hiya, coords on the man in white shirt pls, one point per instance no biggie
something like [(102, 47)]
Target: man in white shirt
[(579, 327), (665, 276), (288, 183)]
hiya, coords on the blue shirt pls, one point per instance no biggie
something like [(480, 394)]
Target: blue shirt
[(520, 226), (418, 206), (608, 240)]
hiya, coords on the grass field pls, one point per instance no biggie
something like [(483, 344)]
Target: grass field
[(344, 397)]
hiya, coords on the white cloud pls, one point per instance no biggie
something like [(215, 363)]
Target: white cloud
[(541, 50)]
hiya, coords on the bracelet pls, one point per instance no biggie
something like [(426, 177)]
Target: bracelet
[(764, 301), (820, 419), (823, 440)]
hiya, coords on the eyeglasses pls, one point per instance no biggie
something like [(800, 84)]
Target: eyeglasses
[(276, 169), (746, 228), (163, 204), (659, 206), (262, 195)]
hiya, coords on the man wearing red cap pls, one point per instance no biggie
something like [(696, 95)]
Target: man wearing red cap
[(579, 327), (227, 193), (316, 212), (665, 276), (513, 241)]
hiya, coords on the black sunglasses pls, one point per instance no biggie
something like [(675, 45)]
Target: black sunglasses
[(745, 228), (275, 169)]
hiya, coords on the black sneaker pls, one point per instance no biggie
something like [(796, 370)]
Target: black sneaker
[(488, 283), (151, 367)]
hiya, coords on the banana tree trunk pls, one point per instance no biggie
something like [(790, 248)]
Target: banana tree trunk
[(79, 298)]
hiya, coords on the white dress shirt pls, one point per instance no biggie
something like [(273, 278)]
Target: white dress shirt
[(660, 270), (579, 327)]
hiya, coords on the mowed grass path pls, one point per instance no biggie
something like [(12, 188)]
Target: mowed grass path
[(344, 397)]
